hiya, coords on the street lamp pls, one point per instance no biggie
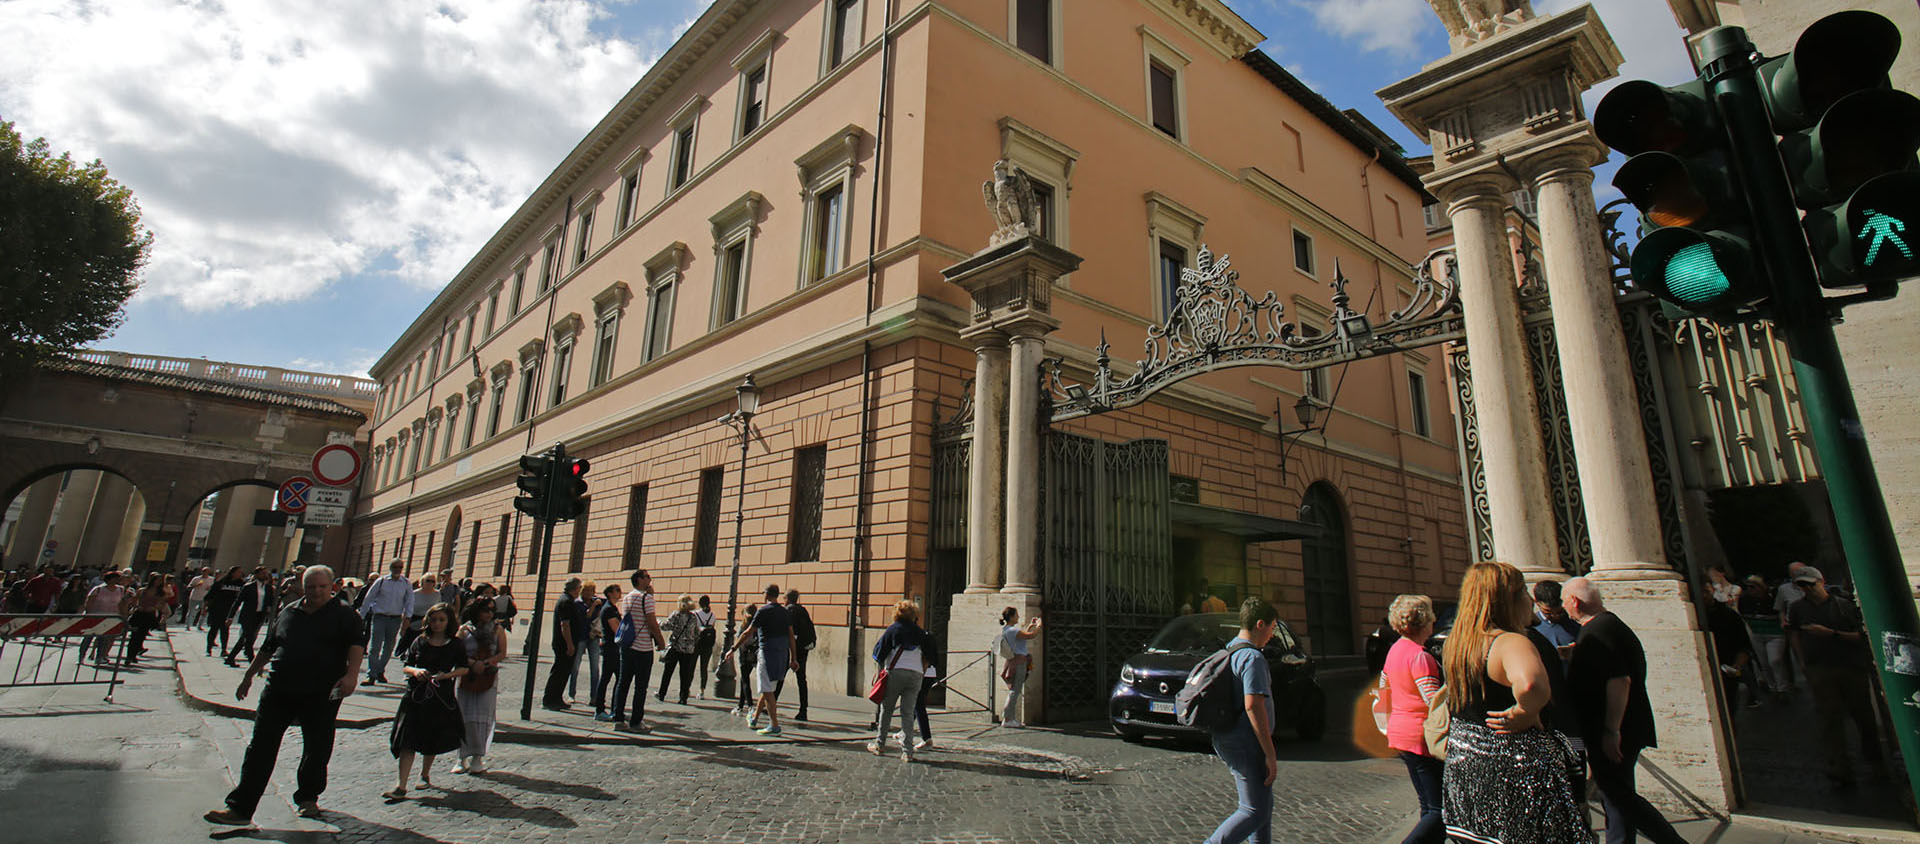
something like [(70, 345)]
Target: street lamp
[(741, 419), (1304, 411)]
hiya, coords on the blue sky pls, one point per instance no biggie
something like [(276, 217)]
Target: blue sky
[(314, 170)]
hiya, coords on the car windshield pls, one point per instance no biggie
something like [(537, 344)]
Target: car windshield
[(1443, 613), (1200, 633)]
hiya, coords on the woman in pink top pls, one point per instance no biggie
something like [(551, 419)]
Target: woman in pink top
[(1409, 683)]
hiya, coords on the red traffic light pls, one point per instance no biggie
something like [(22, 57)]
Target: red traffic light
[(579, 468)]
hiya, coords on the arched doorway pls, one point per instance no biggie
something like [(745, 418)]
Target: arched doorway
[(1329, 589), (82, 515)]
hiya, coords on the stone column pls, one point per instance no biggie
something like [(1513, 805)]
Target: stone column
[(1609, 444), (1511, 448), (70, 518), (109, 511), (35, 518), (986, 480), (1023, 462), (125, 545)]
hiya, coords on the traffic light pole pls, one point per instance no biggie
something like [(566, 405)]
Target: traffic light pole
[(1866, 532), (543, 526)]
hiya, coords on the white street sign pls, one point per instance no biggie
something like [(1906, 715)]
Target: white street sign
[(324, 515), (325, 496)]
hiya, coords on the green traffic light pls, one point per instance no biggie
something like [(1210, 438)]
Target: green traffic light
[(1695, 276), (1882, 230)]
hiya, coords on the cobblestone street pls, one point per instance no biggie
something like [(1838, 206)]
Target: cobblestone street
[(145, 767)]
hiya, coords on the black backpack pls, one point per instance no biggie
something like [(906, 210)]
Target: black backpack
[(1211, 699)]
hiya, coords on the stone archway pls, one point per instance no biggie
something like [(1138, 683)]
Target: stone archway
[(82, 514), (1328, 576)]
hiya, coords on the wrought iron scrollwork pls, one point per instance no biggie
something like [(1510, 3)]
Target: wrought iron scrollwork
[(1618, 251), (1215, 324)]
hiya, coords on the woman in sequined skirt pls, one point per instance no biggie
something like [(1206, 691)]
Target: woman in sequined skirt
[(1507, 778)]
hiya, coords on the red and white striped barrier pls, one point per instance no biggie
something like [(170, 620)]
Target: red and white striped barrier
[(21, 626)]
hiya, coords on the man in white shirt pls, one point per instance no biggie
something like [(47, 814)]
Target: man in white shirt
[(197, 597), (1783, 653), (387, 606), (109, 598)]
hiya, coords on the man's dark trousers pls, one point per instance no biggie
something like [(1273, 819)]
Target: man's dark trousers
[(1627, 811), (316, 714), (799, 675), (636, 670), (557, 676), (249, 628)]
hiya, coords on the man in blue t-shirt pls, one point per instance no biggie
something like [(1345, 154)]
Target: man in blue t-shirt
[(1247, 746)]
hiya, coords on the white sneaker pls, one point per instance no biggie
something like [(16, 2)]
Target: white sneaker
[(922, 744), (875, 748), (906, 755), (1011, 723), (460, 767)]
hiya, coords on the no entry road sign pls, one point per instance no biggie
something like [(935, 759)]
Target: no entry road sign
[(336, 464), (292, 496)]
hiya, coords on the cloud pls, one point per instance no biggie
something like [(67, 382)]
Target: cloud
[(1392, 26), (278, 148)]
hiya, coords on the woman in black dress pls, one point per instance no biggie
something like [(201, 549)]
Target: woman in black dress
[(429, 720)]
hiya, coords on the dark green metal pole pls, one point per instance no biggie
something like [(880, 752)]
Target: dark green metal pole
[(1866, 533), (543, 550)]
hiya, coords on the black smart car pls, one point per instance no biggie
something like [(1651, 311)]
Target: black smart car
[(1142, 700)]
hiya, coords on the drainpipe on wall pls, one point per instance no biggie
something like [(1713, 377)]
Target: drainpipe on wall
[(863, 500)]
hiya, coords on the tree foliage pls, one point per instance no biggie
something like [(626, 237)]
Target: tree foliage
[(71, 248)]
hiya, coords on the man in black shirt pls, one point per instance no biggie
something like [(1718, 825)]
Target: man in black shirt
[(1607, 680), (1839, 669), (315, 646), (255, 604), (569, 630), (804, 638)]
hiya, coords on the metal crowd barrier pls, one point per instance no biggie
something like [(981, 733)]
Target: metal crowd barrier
[(993, 687), (51, 650)]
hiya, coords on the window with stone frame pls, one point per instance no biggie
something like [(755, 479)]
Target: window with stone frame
[(1035, 28), (706, 528), (1165, 71), (627, 211), (530, 370), (500, 546), (497, 403), (1175, 233), (609, 306), (583, 230), (1303, 257), (550, 261), (809, 496), (577, 547), (663, 283), (562, 370), (1417, 402), (519, 287), (493, 307), (843, 31), (734, 230), (636, 527), (684, 127), (1049, 165), (826, 185), (474, 391), (1173, 259)]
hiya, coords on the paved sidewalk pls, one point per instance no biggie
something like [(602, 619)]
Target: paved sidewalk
[(210, 684)]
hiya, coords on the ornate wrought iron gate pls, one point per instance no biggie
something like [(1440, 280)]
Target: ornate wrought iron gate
[(1106, 545), (947, 553)]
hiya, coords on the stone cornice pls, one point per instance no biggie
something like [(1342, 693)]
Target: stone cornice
[(1213, 24)]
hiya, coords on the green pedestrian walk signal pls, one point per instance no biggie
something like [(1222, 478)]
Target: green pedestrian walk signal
[(1695, 252), (1848, 141)]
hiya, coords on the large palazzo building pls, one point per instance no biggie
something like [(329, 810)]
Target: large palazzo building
[(778, 195)]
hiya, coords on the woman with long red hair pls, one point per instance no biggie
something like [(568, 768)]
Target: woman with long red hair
[(1508, 778)]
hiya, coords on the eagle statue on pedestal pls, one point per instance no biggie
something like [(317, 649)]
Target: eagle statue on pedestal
[(1009, 196)]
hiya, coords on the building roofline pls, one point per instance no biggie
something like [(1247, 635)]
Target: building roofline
[(1318, 106)]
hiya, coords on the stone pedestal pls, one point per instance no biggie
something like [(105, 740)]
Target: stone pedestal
[(975, 627), (1693, 766), (1011, 284)]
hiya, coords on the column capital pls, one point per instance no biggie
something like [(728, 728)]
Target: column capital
[(1027, 326), (985, 338), (1571, 161), (1485, 191)]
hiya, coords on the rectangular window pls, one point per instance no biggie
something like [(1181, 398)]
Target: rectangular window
[(753, 100), (636, 527), (493, 311), (562, 365), (1316, 384), (1302, 252), (1417, 398), (609, 329), (733, 266), (1165, 107), (825, 247), (473, 420), (1173, 259), (1033, 28), (533, 542), (660, 319), (413, 544), (577, 552), (433, 366), (529, 392), (466, 341), (473, 548), (629, 200), (706, 527), (433, 433), (426, 562), (1043, 211), (494, 406), (500, 548), (550, 266), (682, 156), (581, 246), (845, 32), (519, 289), (809, 493)]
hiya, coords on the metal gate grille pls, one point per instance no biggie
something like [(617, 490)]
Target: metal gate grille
[(1106, 552)]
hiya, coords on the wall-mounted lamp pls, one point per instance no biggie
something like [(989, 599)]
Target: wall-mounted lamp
[(1305, 411)]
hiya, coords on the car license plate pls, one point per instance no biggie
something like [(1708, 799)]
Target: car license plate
[(1162, 707)]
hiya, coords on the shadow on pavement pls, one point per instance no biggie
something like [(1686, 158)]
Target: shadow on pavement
[(758, 759), (540, 786), (491, 804), (351, 828)]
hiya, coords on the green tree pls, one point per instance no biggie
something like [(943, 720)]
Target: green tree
[(71, 247)]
